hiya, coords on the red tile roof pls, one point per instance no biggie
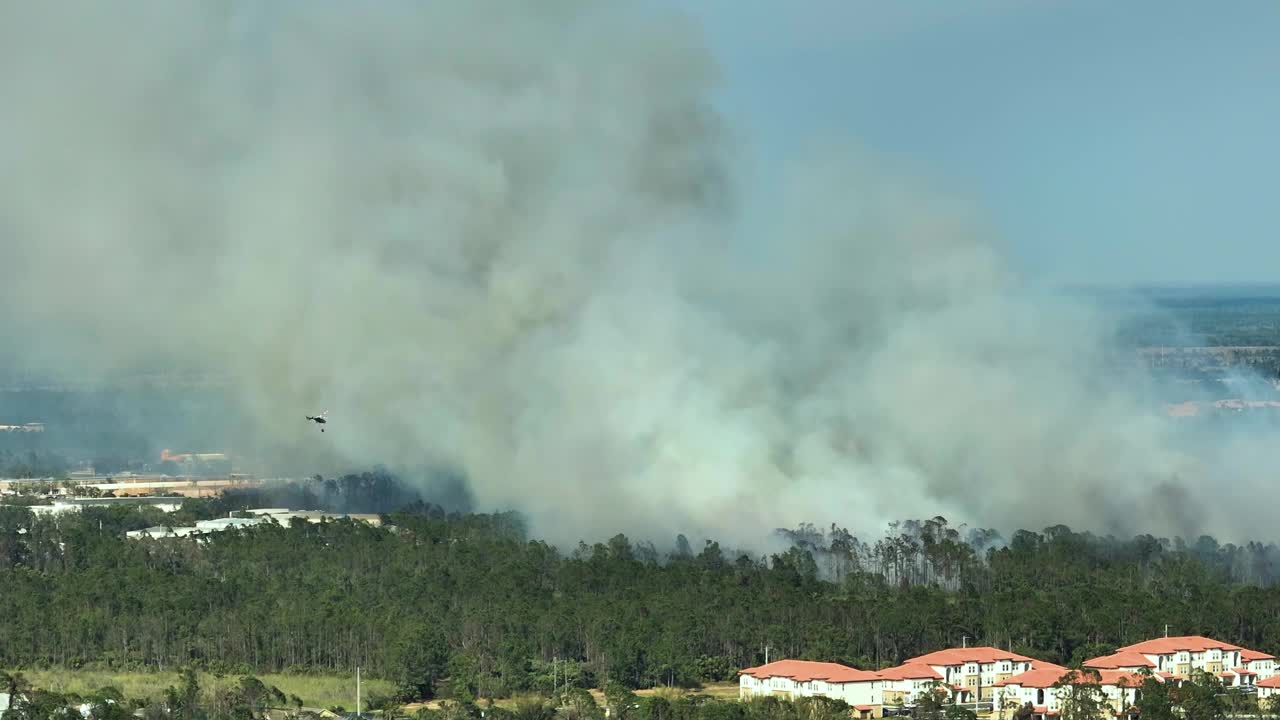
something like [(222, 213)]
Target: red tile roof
[(1126, 659), (806, 670), (960, 656), (1168, 646), (1040, 677), (1271, 682), (910, 671), (1251, 655), (1121, 678), (1047, 677)]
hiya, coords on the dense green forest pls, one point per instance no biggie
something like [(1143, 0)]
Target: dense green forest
[(472, 598)]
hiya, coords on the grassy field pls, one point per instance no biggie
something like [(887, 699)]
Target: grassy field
[(319, 691), (316, 691), (721, 691)]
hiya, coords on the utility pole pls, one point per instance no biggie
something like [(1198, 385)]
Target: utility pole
[(1166, 629), (964, 641), (766, 653), (357, 691)]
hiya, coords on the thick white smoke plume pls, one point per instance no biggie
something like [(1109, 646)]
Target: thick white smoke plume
[(502, 237)]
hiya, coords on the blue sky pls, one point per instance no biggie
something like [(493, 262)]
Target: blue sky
[(1113, 142)]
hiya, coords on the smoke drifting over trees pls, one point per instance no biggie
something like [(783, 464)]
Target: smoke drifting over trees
[(504, 238), (474, 597)]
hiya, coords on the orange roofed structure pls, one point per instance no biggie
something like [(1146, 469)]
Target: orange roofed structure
[(793, 679), (1036, 688), (998, 679), (975, 671), (1175, 658), (904, 683), (1262, 665), (1125, 660), (967, 675), (1269, 688), (808, 670)]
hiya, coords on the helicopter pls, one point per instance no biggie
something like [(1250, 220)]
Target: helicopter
[(320, 419)]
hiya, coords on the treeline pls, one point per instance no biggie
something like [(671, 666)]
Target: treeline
[(470, 606), (375, 491), (928, 552)]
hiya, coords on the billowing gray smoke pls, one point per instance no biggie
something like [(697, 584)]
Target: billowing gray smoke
[(504, 237)]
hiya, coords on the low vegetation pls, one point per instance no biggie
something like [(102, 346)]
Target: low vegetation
[(319, 691)]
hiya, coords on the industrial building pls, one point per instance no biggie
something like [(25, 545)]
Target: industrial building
[(76, 504), (260, 516)]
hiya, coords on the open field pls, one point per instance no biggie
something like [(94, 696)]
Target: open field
[(720, 691), (318, 691)]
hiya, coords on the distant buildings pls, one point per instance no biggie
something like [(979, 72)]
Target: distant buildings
[(1269, 688), (66, 503), (904, 683), (793, 679), (203, 527), (964, 675), (1175, 658), (1037, 689), (217, 463), (1262, 664), (166, 456), (284, 516), (59, 496), (75, 504), (281, 516), (23, 428), (145, 485), (991, 679), (975, 672)]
